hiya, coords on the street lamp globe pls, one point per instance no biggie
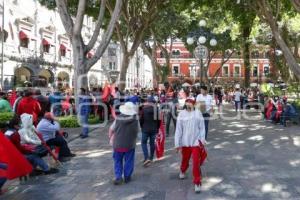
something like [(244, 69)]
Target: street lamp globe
[(202, 39), (213, 42), (190, 40), (202, 23)]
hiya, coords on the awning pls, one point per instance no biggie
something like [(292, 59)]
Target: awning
[(46, 42), (62, 47), (23, 35)]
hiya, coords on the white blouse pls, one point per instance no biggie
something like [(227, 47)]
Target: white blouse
[(189, 129)]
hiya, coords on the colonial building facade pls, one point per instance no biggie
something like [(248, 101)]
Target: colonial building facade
[(185, 67), (38, 51)]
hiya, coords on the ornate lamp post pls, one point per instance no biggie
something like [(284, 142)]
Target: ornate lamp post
[(200, 37)]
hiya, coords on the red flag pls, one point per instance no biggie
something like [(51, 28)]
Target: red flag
[(160, 140), (17, 165)]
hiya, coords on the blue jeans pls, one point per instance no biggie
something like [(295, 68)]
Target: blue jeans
[(84, 119), (151, 137), (126, 168), (206, 117), (2, 182), (36, 161), (237, 105)]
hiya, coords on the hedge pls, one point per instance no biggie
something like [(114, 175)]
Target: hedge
[(72, 121), (5, 118)]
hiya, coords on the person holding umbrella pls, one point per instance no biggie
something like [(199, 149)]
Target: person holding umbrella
[(190, 138)]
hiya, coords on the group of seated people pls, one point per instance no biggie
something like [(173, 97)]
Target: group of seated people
[(34, 143), (279, 110)]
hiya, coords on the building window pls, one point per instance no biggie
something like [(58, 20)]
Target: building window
[(175, 53), (255, 71), (62, 50), (266, 70), (175, 70), (225, 71), (112, 65), (111, 52), (237, 71), (24, 42), (5, 34), (255, 54)]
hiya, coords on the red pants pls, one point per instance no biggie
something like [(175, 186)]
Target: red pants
[(187, 152)]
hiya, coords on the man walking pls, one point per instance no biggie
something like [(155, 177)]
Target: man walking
[(205, 100)]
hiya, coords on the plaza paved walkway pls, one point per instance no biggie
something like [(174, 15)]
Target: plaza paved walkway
[(248, 159)]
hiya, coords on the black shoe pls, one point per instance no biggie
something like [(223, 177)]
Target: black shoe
[(36, 172), (51, 171), (118, 181), (72, 155), (64, 159), (127, 179), (84, 136)]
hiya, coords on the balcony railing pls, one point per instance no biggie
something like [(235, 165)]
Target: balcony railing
[(25, 52), (65, 60), (49, 57)]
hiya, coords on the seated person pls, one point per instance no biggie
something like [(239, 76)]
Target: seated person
[(3, 179), (288, 112), (28, 143), (49, 129)]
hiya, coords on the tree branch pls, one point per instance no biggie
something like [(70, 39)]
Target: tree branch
[(296, 4), (79, 17), (107, 35), (65, 17), (99, 22)]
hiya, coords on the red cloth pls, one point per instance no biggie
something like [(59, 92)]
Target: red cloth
[(16, 162), (15, 139), (30, 106), (195, 152), (13, 98), (160, 141), (269, 110), (106, 93), (279, 111)]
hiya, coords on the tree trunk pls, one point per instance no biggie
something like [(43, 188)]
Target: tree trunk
[(246, 54), (123, 71)]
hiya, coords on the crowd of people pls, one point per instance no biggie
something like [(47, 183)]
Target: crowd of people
[(34, 131)]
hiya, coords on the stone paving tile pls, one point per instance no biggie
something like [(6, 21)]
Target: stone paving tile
[(251, 160)]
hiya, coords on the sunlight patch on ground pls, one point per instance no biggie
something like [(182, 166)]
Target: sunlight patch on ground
[(284, 138), (237, 157), (295, 163), (271, 188), (256, 138), (240, 142), (93, 153), (210, 182), (100, 184), (136, 196), (222, 145), (296, 141)]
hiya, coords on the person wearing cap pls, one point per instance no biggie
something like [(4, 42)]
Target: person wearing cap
[(4, 104), (123, 134), (49, 129), (189, 135), (149, 121), (205, 99)]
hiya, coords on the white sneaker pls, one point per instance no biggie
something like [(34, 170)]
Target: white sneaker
[(181, 175), (197, 188)]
